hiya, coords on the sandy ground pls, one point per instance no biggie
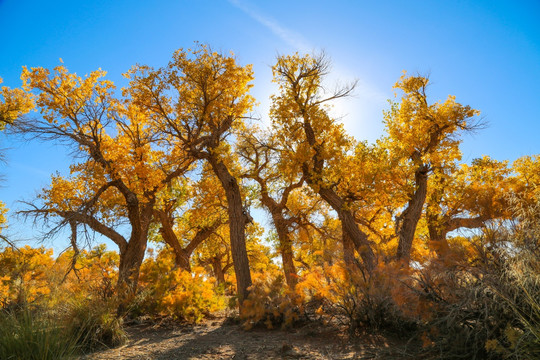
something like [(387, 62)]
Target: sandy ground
[(220, 339)]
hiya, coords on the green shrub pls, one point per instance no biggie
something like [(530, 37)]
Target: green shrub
[(32, 335)]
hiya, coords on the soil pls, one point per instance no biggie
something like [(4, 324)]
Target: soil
[(220, 338)]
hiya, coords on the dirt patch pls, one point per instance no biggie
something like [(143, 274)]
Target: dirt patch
[(220, 339)]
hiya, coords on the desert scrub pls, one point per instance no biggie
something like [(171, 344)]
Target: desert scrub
[(28, 335), (272, 303), (96, 323), (169, 291)]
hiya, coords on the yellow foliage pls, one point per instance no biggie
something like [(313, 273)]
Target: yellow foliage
[(25, 275), (178, 293), (271, 302), (13, 104)]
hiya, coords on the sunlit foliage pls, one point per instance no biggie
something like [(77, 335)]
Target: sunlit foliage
[(399, 235)]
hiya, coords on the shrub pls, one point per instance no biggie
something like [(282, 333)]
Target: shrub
[(271, 302), (96, 323), (169, 291), (190, 297), (362, 301), (28, 335), (24, 275), (485, 307)]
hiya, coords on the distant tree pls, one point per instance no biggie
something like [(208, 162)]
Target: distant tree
[(468, 196), (264, 165), (185, 227), (14, 103)]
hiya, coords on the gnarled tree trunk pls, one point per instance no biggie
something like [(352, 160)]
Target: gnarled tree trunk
[(238, 219), (408, 220)]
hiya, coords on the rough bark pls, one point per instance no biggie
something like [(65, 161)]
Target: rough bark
[(217, 268), (350, 228), (408, 220), (238, 219), (183, 255), (132, 257), (285, 248), (348, 250)]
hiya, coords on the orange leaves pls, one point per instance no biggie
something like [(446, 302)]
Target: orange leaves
[(271, 303), (24, 275), (13, 104), (176, 292), (66, 98), (428, 132), (200, 93)]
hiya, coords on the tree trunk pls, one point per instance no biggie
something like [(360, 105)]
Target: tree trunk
[(437, 240), (358, 238), (132, 254), (349, 226), (285, 248), (182, 255), (218, 270), (238, 219), (348, 250), (438, 229), (182, 260), (408, 220), (130, 263)]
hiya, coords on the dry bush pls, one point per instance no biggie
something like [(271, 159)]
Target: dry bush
[(169, 291), (271, 303)]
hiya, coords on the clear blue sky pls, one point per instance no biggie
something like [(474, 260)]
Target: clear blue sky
[(487, 53)]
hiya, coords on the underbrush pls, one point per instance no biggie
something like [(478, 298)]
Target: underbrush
[(325, 294), (481, 305), (271, 303), (28, 335), (173, 292), (95, 323)]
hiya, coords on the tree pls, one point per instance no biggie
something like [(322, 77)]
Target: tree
[(14, 103), (466, 197), (263, 158), (120, 176), (423, 137), (299, 116), (185, 230), (197, 101)]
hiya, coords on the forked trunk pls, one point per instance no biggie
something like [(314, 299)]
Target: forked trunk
[(350, 228), (182, 260), (130, 263), (437, 241), (132, 253)]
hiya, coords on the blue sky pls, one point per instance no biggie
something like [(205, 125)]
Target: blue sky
[(487, 53)]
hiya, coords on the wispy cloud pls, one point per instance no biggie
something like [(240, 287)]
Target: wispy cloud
[(360, 114), (290, 37)]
